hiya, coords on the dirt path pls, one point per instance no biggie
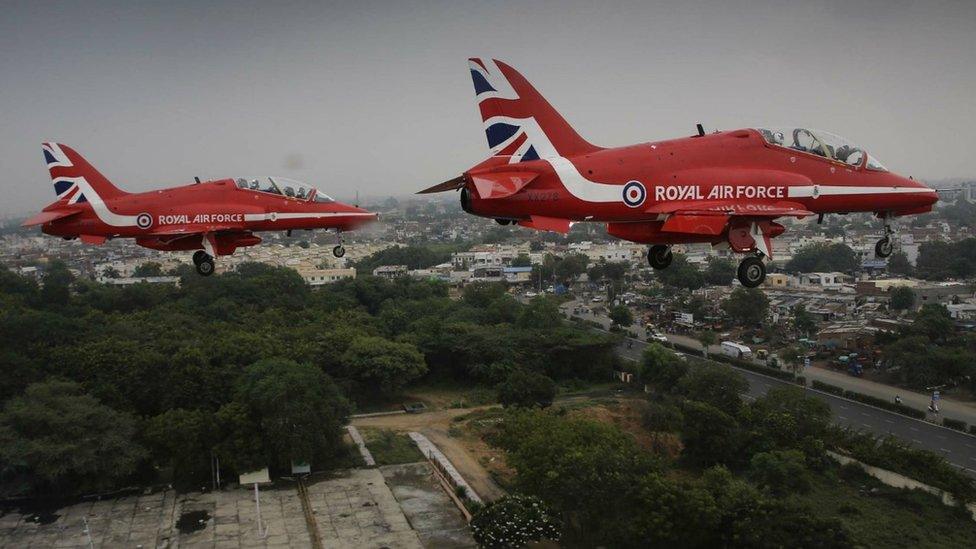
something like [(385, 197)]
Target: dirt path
[(435, 426)]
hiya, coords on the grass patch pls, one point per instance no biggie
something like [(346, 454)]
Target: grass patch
[(881, 516), (389, 447)]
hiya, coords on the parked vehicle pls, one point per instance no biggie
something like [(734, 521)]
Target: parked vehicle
[(736, 350)]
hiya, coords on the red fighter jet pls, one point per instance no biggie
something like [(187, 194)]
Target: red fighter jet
[(213, 217), (726, 188)]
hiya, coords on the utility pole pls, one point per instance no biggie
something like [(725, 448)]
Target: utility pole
[(262, 532)]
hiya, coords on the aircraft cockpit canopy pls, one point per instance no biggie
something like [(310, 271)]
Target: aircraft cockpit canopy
[(821, 143), (284, 187)]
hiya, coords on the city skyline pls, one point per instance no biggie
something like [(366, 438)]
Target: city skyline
[(154, 94)]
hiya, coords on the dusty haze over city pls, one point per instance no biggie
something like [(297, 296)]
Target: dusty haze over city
[(376, 96)]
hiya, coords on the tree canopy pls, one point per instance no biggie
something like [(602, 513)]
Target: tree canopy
[(824, 257)]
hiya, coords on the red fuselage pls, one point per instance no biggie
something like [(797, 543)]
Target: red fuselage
[(735, 171)]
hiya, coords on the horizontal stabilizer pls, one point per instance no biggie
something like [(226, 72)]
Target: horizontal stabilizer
[(47, 217), (541, 223), (501, 185), (450, 185)]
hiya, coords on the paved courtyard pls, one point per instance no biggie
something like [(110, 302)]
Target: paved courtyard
[(354, 509)]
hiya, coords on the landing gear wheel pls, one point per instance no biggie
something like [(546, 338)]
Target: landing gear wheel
[(752, 272), (339, 251), (883, 248), (199, 256), (206, 266), (659, 256), (501, 221)]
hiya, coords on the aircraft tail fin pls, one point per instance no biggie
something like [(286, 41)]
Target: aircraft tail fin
[(519, 123), (75, 180)]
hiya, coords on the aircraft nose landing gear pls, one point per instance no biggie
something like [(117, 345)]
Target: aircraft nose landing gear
[(204, 263), (659, 256), (752, 271), (339, 250), (883, 247), (886, 244)]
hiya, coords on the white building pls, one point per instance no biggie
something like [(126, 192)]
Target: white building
[(319, 277)]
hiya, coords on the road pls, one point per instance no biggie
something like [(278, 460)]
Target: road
[(958, 448)]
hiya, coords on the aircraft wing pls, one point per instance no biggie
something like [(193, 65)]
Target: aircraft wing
[(541, 223), (731, 208)]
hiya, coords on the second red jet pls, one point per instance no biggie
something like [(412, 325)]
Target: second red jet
[(724, 189), (210, 218)]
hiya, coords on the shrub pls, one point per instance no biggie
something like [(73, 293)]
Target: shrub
[(828, 388), (526, 389), (514, 521), (894, 455), (954, 424)]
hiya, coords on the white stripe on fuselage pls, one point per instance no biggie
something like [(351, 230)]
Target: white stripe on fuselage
[(98, 205), (814, 191), (274, 216)]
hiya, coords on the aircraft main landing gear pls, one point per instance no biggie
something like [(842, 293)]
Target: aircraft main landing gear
[(204, 263), (752, 271), (659, 256)]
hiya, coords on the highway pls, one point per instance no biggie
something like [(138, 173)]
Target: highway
[(958, 448)]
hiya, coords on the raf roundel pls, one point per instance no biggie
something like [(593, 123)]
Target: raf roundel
[(634, 194), (144, 221)]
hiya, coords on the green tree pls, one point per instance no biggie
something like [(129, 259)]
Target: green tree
[(298, 409), (522, 260), (578, 466), (804, 322), (661, 367), (824, 257), (746, 306), (707, 338), (414, 257), (902, 298), (514, 521), (61, 439), (150, 268), (570, 267), (183, 439), (898, 264), (670, 513), (621, 316), (542, 311), (382, 365), (719, 271), (786, 418), (781, 472), (710, 435), (56, 284), (681, 274), (526, 389), (717, 385)]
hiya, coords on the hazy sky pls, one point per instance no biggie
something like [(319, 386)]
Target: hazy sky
[(376, 96)]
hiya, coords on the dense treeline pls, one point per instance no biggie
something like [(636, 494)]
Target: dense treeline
[(824, 257), (945, 260), (252, 366), (414, 257), (930, 352), (720, 472)]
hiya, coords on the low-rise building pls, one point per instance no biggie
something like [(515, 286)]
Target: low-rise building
[(390, 271), (320, 277)]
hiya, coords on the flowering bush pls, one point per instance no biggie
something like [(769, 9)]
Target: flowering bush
[(513, 521)]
